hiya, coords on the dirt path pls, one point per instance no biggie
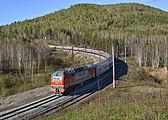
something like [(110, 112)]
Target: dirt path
[(24, 97)]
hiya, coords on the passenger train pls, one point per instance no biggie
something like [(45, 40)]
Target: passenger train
[(65, 81)]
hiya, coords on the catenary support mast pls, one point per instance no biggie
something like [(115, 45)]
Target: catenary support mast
[(113, 66)]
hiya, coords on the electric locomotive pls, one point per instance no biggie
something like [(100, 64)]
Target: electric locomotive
[(62, 81)]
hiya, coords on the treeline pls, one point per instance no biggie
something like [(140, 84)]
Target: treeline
[(136, 29), (21, 56)]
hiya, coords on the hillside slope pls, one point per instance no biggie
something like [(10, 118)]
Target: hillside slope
[(87, 20)]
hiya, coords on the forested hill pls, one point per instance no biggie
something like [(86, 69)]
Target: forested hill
[(130, 25), (87, 20)]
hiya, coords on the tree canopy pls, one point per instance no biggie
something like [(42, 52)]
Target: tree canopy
[(96, 26)]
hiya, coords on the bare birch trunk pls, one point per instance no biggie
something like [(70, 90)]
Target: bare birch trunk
[(165, 58), (140, 56), (19, 56), (157, 57), (32, 71)]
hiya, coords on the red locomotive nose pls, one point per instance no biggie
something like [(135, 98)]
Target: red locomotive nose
[(57, 81)]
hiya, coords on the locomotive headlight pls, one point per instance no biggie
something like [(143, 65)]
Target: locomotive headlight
[(62, 90)]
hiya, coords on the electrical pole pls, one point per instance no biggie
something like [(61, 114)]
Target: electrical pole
[(72, 53), (113, 66), (125, 53)]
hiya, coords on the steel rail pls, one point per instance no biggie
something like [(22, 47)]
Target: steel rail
[(10, 113)]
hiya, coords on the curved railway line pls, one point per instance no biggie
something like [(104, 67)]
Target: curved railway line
[(52, 103)]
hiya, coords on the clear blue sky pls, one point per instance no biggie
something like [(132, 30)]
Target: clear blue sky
[(19, 10)]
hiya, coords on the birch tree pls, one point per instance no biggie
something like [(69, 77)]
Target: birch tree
[(19, 51), (166, 56)]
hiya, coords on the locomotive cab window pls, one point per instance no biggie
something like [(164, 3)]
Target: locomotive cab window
[(57, 78)]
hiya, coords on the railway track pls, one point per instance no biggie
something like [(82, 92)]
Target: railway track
[(14, 112), (53, 103)]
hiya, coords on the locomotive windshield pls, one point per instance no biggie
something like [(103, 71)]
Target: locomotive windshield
[(54, 78), (57, 76)]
